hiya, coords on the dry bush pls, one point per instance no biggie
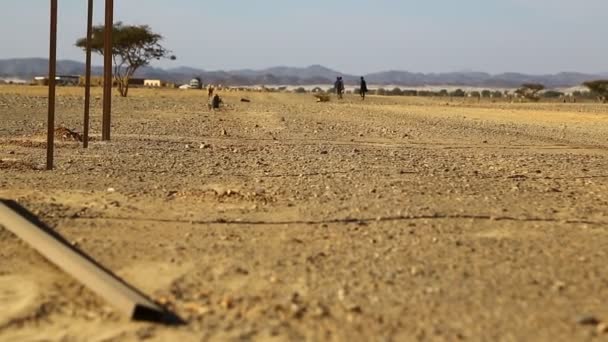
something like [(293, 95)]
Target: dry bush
[(322, 97)]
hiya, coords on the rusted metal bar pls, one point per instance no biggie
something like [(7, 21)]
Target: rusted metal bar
[(50, 141), (87, 82), (57, 250), (107, 70)]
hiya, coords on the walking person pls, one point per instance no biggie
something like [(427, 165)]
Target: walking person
[(363, 88)]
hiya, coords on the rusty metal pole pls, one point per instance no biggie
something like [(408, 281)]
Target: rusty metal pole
[(87, 85), (107, 71), (50, 143)]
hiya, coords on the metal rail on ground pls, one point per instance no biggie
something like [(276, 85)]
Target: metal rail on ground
[(124, 297)]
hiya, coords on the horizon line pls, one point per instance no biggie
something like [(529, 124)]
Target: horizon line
[(338, 72)]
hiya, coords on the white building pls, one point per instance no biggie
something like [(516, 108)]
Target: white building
[(153, 83)]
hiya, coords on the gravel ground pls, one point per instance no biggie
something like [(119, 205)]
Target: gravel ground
[(393, 219)]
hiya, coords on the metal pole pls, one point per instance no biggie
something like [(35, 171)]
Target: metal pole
[(87, 86), (107, 67), (50, 143)]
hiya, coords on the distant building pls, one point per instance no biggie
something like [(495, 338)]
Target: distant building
[(41, 80), (196, 83), (61, 80), (153, 83), (67, 80)]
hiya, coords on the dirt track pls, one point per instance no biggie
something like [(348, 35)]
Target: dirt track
[(394, 219)]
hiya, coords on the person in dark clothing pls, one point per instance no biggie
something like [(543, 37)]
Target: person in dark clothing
[(216, 102), (339, 85), (363, 89)]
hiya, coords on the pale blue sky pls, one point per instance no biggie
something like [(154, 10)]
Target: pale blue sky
[(355, 36)]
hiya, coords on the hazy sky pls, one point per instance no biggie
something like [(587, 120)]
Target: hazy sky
[(354, 36)]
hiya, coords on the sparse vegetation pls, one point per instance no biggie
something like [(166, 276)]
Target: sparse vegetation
[(530, 91), (553, 94), (395, 92), (458, 93), (599, 88)]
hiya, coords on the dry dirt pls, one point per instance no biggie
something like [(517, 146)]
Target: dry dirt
[(396, 219)]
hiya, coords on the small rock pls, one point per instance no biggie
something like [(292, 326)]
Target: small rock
[(416, 271), (111, 190), (324, 152), (320, 311), (223, 132), (587, 320), (558, 286), (341, 295), (227, 303), (602, 328), (188, 146), (11, 152)]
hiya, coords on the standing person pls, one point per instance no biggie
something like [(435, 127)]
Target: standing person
[(363, 88), (339, 85)]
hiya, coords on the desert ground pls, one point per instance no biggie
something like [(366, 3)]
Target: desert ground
[(393, 219)]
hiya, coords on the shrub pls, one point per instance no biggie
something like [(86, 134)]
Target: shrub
[(598, 88), (458, 93)]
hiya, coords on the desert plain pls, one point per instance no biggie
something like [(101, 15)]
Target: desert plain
[(390, 219)]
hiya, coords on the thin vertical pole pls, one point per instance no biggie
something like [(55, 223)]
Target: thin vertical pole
[(50, 143), (87, 86), (107, 67)]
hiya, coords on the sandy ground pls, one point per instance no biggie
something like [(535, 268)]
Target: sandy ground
[(396, 219)]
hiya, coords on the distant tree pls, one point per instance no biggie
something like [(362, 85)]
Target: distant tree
[(530, 91), (458, 93), (486, 93), (381, 92), (583, 95), (133, 47), (395, 92), (444, 92), (599, 88), (300, 90), (410, 92), (475, 94), (317, 90), (553, 94), (497, 94)]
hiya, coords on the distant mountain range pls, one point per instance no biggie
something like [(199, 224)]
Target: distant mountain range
[(27, 68)]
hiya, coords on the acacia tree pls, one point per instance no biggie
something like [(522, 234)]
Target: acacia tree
[(132, 48), (530, 91), (599, 88)]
